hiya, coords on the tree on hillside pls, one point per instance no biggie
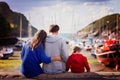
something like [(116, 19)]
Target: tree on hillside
[(5, 29)]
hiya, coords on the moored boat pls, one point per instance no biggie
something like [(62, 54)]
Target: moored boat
[(109, 53), (5, 53)]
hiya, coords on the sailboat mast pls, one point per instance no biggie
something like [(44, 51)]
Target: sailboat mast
[(117, 25), (108, 28), (99, 31), (20, 26), (29, 27), (55, 17)]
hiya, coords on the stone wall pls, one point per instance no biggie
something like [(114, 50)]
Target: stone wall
[(63, 76)]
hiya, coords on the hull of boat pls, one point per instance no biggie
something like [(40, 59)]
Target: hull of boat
[(109, 57), (6, 54)]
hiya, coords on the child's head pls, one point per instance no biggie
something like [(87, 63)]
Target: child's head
[(76, 49)]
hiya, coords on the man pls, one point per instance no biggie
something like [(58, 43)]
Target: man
[(55, 46)]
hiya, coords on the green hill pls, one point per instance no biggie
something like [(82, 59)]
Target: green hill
[(12, 22), (105, 24)]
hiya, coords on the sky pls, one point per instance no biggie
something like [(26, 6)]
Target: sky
[(70, 15)]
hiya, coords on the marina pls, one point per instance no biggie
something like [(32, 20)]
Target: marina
[(12, 64), (91, 25)]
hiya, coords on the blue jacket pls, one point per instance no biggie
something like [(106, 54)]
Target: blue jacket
[(31, 60)]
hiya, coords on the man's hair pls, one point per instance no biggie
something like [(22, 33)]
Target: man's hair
[(54, 28)]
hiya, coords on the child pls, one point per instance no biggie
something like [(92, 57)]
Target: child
[(77, 62)]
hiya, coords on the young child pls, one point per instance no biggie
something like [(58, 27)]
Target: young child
[(77, 62)]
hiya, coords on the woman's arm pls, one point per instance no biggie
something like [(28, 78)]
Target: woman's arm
[(22, 52), (42, 55), (58, 58)]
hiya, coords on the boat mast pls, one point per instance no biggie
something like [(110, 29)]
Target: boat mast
[(20, 26), (117, 26), (100, 28), (55, 17), (29, 27), (108, 28), (73, 23)]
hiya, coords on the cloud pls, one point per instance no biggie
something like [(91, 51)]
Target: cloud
[(24, 5), (58, 14), (71, 18), (71, 15), (96, 0), (27, 4)]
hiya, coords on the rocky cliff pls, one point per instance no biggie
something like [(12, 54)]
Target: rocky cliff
[(12, 22)]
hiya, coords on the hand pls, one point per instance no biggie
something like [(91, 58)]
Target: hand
[(58, 58)]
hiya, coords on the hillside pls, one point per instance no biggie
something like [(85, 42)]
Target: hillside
[(105, 24), (13, 20)]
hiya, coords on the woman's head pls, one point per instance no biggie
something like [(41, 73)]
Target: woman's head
[(54, 28), (76, 49), (38, 38)]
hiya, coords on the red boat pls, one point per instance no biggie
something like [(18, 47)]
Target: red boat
[(109, 53)]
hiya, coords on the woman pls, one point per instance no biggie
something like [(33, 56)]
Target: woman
[(33, 54)]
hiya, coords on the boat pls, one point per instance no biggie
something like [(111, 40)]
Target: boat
[(6, 46), (88, 47), (19, 44), (6, 52), (110, 54)]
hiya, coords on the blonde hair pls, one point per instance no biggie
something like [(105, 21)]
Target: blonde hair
[(38, 38)]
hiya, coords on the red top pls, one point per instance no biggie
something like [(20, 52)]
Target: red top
[(77, 63)]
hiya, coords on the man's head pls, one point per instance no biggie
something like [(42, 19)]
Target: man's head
[(54, 28)]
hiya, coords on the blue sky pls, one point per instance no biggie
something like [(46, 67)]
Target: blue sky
[(71, 15)]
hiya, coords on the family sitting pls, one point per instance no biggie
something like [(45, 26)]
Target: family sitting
[(52, 51)]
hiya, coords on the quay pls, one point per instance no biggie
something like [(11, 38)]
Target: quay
[(63, 76)]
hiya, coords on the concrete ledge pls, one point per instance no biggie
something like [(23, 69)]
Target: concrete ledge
[(63, 76)]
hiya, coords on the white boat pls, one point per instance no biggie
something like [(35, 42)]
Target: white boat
[(6, 52)]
